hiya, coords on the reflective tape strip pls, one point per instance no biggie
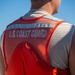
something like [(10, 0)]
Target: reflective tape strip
[(35, 25)]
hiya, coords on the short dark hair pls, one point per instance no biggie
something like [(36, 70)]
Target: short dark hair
[(36, 0)]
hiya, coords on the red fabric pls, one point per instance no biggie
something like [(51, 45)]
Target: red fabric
[(25, 60)]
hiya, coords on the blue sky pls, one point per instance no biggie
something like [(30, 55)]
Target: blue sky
[(10, 10)]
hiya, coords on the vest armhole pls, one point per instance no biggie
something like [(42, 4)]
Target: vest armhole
[(47, 45)]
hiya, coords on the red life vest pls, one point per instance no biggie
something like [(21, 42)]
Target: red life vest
[(26, 53)]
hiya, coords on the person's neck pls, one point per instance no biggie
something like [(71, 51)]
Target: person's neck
[(47, 7)]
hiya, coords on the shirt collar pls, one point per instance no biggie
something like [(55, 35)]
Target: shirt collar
[(33, 13)]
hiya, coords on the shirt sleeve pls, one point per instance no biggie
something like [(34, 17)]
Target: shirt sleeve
[(1, 40)]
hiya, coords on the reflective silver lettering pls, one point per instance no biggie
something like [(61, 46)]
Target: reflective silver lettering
[(12, 34)]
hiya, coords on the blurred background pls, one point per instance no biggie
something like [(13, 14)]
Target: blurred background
[(11, 10)]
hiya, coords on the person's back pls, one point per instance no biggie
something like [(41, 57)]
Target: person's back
[(41, 31)]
